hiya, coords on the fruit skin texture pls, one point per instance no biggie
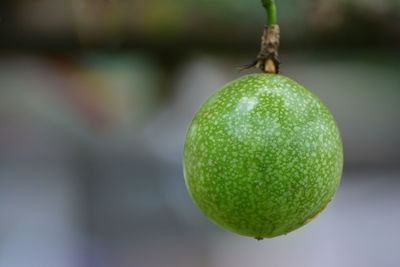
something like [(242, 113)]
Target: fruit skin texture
[(263, 156)]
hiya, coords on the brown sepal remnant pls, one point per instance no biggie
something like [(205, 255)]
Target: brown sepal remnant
[(314, 217), (267, 60)]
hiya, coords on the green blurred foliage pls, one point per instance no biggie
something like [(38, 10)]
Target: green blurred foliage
[(163, 22)]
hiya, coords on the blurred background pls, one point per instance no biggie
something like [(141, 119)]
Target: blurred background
[(95, 100)]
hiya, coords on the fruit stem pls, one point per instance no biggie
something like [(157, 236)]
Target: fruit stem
[(267, 59), (270, 9)]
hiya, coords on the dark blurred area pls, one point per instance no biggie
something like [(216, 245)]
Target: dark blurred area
[(95, 100)]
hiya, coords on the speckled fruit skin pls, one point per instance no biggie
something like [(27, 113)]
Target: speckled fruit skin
[(263, 156)]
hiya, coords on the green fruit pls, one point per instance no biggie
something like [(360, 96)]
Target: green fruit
[(263, 156)]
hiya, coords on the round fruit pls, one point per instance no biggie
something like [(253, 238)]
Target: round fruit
[(263, 156)]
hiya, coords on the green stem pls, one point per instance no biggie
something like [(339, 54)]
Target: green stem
[(270, 9)]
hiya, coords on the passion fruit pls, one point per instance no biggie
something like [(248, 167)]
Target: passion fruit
[(262, 156)]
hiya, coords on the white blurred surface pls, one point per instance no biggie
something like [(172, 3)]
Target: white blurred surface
[(40, 222)]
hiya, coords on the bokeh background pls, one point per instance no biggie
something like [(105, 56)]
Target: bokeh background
[(95, 100)]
